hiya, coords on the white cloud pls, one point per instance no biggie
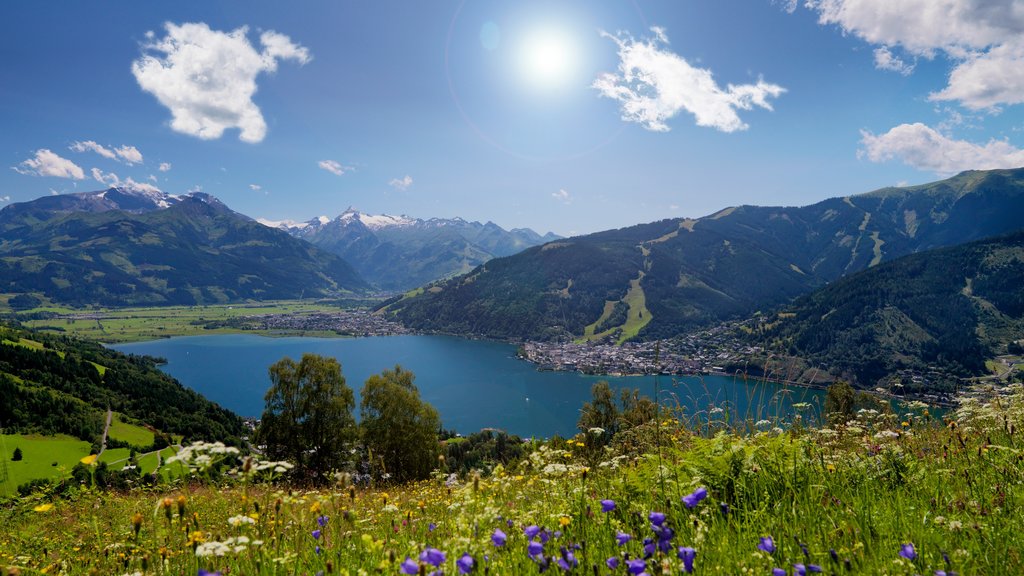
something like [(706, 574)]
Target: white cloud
[(93, 146), (562, 196), (988, 80), (925, 148), (401, 184), (46, 163), (152, 178), (334, 167), (5, 198), (112, 180), (207, 77), (984, 38), (653, 84), (109, 179), (195, 188), (255, 187), (165, 167), (886, 60), (129, 154)]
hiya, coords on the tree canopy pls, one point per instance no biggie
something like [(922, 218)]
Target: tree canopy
[(308, 415), (399, 429)]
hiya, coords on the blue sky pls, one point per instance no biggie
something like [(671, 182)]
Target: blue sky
[(568, 116)]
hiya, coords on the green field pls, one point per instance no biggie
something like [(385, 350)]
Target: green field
[(135, 324), (135, 435), (115, 458), (147, 463), (39, 453)]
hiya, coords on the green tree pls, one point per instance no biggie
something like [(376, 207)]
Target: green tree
[(17, 454), (601, 412), (839, 403), (308, 415), (399, 429), (636, 409)]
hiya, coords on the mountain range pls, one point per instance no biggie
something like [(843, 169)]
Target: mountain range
[(658, 279), (399, 253), (124, 246)]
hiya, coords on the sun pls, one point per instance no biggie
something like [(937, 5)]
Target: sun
[(548, 58)]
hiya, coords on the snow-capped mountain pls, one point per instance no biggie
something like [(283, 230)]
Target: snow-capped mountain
[(402, 252)]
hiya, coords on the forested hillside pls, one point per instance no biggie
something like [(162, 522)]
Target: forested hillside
[(53, 385), (947, 309)]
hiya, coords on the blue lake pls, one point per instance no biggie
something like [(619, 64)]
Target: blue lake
[(473, 384)]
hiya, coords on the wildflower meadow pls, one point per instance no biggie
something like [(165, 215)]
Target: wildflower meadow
[(901, 493)]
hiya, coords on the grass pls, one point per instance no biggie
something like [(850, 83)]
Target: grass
[(30, 344), (638, 315), (636, 318), (137, 436), (39, 453), (147, 323), (115, 458), (898, 494), (148, 462)]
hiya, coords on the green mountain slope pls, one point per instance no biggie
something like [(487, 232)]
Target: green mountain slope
[(949, 308), (189, 250), (50, 385), (729, 264)]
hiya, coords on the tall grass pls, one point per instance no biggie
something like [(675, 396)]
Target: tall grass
[(881, 494)]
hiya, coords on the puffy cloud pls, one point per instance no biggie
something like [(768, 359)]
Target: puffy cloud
[(207, 77), (129, 154), (562, 196), (988, 80), (985, 39), (112, 180), (5, 198), (401, 184), (165, 167), (46, 163), (255, 187), (93, 146), (109, 179), (333, 166), (654, 84), (886, 60), (925, 148)]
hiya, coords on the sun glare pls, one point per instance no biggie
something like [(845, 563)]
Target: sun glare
[(547, 58)]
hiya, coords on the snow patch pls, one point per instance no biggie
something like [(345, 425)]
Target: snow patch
[(282, 224), (384, 221)]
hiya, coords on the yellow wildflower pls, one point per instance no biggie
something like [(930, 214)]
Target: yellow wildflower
[(564, 521), (43, 507)]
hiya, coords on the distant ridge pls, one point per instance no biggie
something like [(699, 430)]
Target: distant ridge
[(946, 309), (400, 252), (124, 246), (658, 279)]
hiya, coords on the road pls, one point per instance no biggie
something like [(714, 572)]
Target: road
[(103, 443)]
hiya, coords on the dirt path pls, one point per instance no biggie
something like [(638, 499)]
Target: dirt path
[(103, 443)]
